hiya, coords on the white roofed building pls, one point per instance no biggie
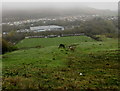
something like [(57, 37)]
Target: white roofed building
[(46, 28)]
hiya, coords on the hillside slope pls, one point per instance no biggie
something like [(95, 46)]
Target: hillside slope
[(93, 65)]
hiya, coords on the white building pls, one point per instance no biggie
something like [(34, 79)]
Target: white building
[(46, 28)]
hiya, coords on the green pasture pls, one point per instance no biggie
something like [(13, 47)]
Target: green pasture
[(50, 67)]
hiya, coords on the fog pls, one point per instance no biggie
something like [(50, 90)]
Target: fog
[(61, 5)]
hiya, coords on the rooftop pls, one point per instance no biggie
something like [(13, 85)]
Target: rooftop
[(46, 27)]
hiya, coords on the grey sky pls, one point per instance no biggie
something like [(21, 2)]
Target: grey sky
[(33, 5)]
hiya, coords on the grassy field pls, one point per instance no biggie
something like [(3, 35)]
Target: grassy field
[(44, 42), (47, 67)]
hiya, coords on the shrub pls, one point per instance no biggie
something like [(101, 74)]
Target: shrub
[(94, 37), (111, 35), (7, 47)]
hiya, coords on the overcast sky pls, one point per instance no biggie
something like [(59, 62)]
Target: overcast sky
[(60, 0), (32, 5)]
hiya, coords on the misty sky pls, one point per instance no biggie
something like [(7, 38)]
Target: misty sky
[(35, 5)]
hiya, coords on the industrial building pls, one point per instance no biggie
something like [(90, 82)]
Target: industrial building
[(46, 28)]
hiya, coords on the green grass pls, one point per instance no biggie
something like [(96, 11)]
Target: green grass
[(52, 41), (52, 68)]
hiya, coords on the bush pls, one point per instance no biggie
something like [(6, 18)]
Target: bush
[(111, 35), (7, 47), (94, 37)]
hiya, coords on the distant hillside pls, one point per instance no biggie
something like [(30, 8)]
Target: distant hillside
[(53, 12)]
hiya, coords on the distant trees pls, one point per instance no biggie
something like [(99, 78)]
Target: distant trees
[(98, 26)]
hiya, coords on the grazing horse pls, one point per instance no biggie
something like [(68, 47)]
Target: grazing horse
[(71, 48), (61, 46)]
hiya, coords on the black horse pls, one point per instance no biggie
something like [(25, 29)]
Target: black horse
[(61, 46)]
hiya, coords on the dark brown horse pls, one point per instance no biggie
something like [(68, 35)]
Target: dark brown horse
[(61, 46)]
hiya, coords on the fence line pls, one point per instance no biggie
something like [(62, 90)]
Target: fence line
[(52, 36)]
